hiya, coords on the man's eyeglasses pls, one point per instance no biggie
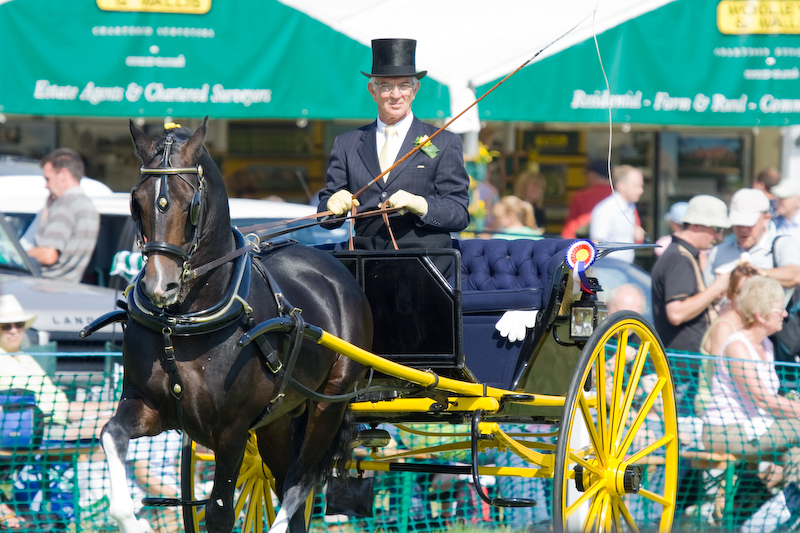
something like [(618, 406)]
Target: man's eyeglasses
[(7, 327), (404, 88)]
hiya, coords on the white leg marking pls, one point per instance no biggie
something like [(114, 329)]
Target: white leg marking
[(120, 505), (291, 503)]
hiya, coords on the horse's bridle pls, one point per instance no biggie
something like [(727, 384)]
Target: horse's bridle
[(162, 203)]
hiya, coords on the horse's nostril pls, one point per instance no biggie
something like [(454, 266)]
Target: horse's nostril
[(172, 287)]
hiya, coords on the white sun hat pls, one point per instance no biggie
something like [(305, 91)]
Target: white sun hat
[(11, 311)]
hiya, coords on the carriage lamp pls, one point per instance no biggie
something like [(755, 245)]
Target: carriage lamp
[(585, 315)]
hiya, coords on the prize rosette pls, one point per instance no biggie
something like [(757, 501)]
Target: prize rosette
[(580, 256)]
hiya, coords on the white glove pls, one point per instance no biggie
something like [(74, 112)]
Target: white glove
[(513, 324), (341, 202), (410, 202)]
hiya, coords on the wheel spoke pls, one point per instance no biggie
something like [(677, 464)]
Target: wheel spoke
[(652, 496), (627, 515), (633, 384), (587, 418), (586, 464), (593, 516), (605, 513), (247, 489), (663, 441), (619, 369), (602, 420), (268, 505), (640, 416), (615, 518), (582, 500)]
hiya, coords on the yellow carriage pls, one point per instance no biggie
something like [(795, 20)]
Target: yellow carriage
[(604, 381)]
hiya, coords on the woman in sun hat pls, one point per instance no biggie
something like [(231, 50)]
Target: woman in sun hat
[(13, 323), (21, 371)]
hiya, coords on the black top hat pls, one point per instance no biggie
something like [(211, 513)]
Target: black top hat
[(394, 58)]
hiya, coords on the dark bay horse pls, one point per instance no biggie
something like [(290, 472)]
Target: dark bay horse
[(183, 367)]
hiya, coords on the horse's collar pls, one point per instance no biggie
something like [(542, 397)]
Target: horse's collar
[(220, 315)]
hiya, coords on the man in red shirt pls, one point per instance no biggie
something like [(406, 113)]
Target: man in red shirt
[(580, 208)]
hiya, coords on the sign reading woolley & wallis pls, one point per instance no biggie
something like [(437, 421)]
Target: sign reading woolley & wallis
[(191, 7)]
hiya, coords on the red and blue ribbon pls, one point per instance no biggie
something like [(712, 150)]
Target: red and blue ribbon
[(580, 256)]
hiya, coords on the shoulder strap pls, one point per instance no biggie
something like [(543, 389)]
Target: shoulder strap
[(772, 250)]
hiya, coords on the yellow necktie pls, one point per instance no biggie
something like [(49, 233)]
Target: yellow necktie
[(385, 158)]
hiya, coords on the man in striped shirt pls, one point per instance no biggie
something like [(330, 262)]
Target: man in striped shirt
[(69, 223)]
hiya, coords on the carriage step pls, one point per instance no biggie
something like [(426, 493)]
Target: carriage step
[(171, 502), (513, 502), (373, 438)]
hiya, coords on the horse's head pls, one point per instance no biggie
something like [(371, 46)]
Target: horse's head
[(174, 210)]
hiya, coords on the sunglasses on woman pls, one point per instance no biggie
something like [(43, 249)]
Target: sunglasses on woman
[(7, 327)]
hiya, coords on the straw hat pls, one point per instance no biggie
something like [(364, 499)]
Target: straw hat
[(706, 210), (11, 311)]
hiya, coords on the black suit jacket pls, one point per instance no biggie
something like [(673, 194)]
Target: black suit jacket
[(442, 181)]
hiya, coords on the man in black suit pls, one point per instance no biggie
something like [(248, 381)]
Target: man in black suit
[(431, 186)]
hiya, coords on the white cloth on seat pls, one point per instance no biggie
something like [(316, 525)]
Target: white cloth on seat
[(514, 324)]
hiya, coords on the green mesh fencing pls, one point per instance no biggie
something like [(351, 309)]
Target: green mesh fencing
[(734, 476)]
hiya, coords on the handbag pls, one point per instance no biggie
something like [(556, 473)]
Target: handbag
[(350, 496)]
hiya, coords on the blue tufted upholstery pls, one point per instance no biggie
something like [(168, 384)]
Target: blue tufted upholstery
[(497, 276)]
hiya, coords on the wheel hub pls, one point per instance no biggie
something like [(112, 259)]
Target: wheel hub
[(620, 478)]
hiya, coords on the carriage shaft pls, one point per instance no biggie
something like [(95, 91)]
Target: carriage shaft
[(426, 379)]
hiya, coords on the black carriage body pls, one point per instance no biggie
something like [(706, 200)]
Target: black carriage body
[(446, 322)]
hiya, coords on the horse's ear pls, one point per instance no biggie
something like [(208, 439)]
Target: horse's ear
[(193, 148), (145, 146)]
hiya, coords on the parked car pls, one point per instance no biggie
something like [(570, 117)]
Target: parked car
[(116, 225), (62, 308)]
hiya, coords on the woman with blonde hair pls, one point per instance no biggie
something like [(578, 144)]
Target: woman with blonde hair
[(514, 218), (728, 321), (530, 186), (745, 414)]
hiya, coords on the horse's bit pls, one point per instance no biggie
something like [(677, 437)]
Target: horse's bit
[(162, 203)]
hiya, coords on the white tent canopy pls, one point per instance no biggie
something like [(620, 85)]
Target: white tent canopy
[(467, 43)]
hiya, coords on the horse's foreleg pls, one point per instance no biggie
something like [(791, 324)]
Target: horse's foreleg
[(219, 509), (115, 437)]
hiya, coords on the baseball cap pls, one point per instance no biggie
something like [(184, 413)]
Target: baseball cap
[(676, 212), (706, 210), (599, 166), (747, 205), (787, 188)]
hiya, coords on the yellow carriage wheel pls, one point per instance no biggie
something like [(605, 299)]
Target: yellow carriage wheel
[(253, 496), (617, 453)]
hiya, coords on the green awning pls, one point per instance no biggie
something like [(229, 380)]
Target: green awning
[(701, 63), (239, 59)]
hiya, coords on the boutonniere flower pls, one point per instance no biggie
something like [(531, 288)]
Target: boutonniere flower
[(428, 147)]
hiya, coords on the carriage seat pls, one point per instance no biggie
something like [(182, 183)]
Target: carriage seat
[(499, 275)]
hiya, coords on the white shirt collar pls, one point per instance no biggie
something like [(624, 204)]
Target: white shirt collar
[(402, 126)]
